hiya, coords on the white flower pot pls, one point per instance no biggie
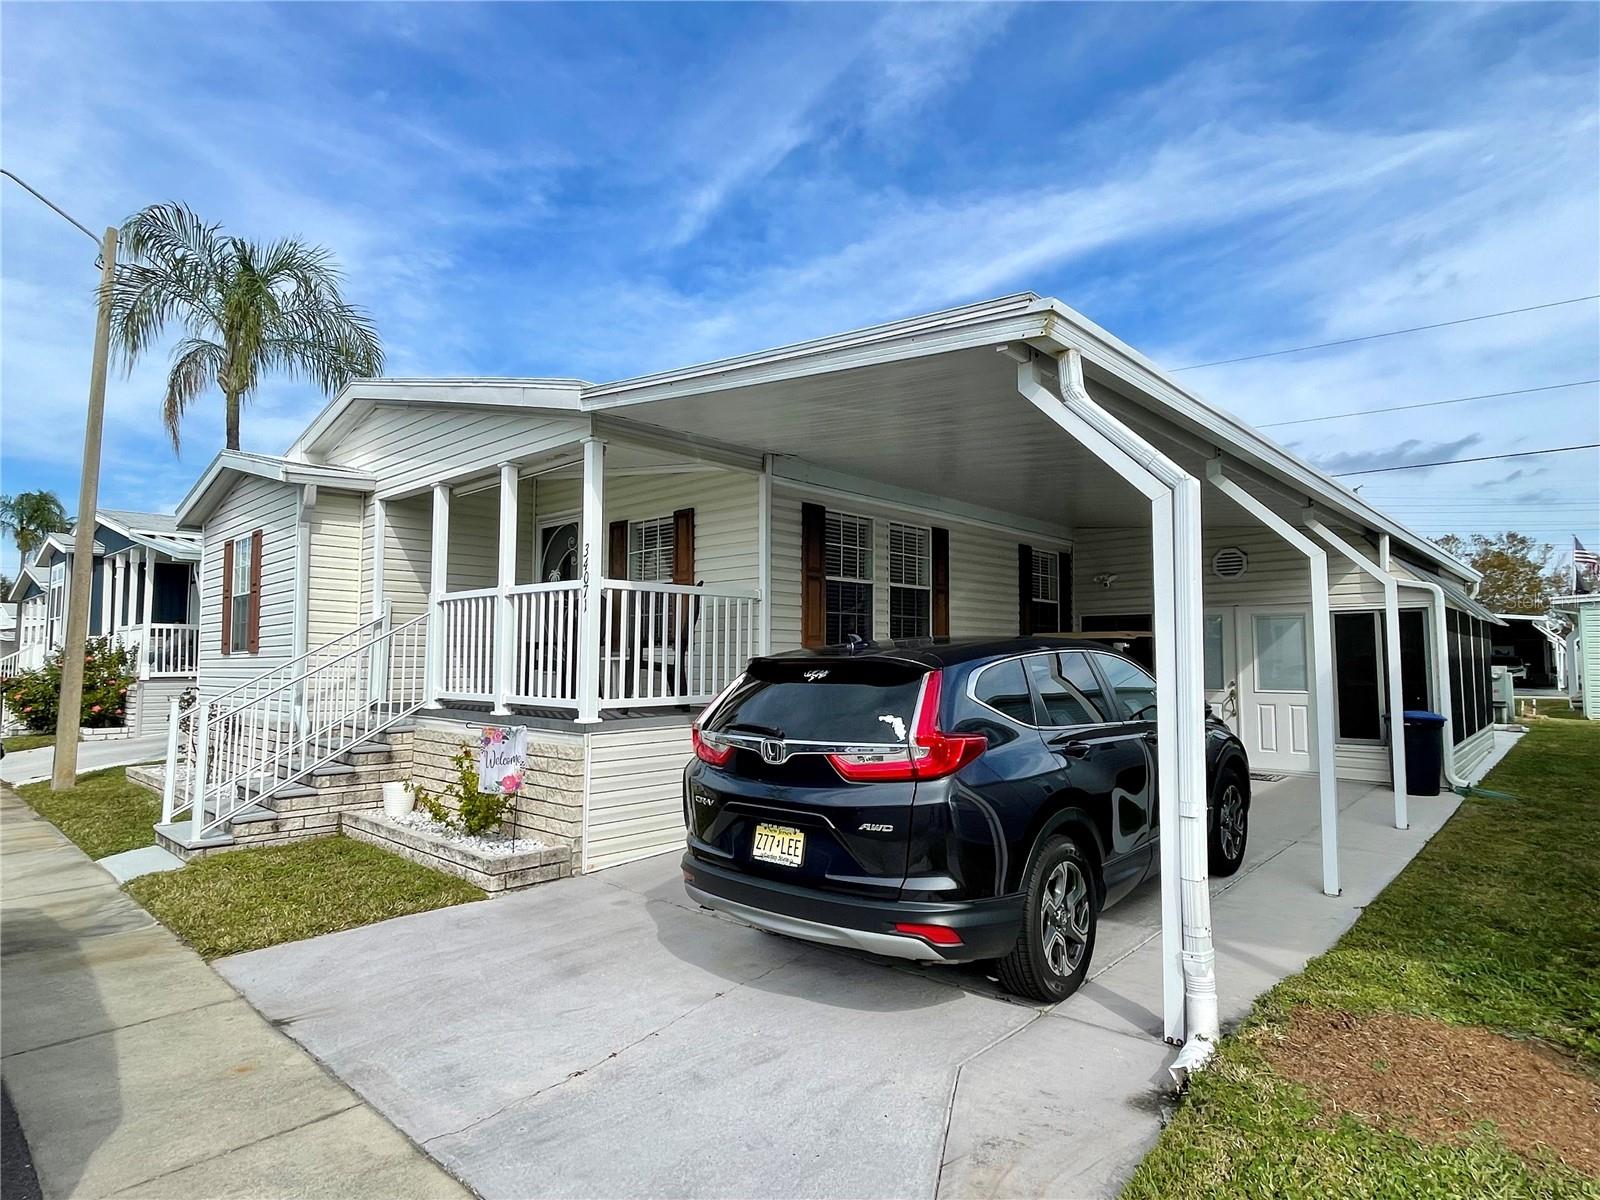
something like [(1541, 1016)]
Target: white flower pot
[(397, 799)]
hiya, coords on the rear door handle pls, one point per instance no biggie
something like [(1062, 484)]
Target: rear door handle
[(1071, 747)]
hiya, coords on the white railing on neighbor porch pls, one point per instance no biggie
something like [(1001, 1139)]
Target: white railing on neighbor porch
[(27, 658), (256, 739), (661, 644), (162, 650)]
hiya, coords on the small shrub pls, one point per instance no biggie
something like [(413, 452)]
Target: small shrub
[(108, 672), (476, 813)]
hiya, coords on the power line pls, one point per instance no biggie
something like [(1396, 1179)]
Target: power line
[(1364, 412), (1510, 312), (1450, 462)]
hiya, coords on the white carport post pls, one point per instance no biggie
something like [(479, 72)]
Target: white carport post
[(1189, 983), (1391, 634), (591, 572), (438, 585), (505, 625), (1321, 658)]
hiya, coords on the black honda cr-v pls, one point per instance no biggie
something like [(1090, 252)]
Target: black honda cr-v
[(941, 801)]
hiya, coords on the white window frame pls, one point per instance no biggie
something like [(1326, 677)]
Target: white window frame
[(1051, 578), (663, 532), (863, 549), (239, 637), (923, 578)]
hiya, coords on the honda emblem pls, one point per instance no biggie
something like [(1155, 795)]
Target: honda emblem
[(773, 751)]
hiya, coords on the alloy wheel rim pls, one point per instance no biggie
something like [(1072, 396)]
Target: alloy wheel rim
[(1230, 822), (1064, 918)]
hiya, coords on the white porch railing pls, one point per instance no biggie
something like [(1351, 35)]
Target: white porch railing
[(163, 650), (546, 618), (663, 644), (27, 658), (262, 736)]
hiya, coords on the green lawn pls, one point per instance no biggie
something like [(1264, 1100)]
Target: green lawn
[(28, 741), (1496, 924), (104, 814), (246, 899)]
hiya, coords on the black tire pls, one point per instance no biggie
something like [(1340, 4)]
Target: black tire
[(1230, 823), (1050, 971)]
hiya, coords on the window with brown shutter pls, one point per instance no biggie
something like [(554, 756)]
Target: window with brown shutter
[(226, 622), (683, 546), (254, 619), (813, 574), (941, 582)]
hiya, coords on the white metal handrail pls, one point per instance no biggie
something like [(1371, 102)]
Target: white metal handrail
[(244, 752), (664, 644), (244, 693)]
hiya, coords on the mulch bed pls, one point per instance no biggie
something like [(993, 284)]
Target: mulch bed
[(1439, 1082)]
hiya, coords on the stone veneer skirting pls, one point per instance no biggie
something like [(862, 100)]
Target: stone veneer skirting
[(550, 806), (493, 875)]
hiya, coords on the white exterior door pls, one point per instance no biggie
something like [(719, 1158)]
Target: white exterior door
[(1222, 664), (1275, 688)]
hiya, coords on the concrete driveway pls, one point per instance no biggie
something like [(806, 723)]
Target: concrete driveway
[(602, 1036)]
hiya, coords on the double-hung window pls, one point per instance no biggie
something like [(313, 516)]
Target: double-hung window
[(651, 546), (910, 581), (847, 567), (1044, 592), (239, 596)]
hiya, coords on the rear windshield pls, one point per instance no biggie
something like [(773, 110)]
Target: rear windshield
[(817, 701)]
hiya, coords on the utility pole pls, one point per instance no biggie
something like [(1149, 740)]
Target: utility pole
[(65, 770), (69, 708)]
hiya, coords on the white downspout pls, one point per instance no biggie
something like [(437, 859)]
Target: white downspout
[(1189, 986)]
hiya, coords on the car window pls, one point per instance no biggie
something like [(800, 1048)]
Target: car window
[(1004, 688), (1136, 691), (1063, 703), (1075, 669), (820, 701)]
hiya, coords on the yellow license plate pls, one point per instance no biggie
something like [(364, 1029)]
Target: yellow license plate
[(779, 844)]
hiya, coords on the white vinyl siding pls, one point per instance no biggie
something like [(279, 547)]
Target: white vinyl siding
[(252, 503), (412, 446), (635, 794), (336, 585), (983, 567)]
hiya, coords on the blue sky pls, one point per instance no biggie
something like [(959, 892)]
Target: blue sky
[(598, 191)]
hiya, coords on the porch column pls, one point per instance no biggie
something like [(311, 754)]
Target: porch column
[(378, 671), (1391, 635), (105, 597), (439, 583), (116, 592), (505, 626), (764, 553), (147, 645), (1322, 660), (592, 571)]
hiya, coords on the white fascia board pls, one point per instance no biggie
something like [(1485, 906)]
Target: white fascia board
[(995, 323), (67, 544), (1117, 359), (232, 464), (797, 472), (358, 397)]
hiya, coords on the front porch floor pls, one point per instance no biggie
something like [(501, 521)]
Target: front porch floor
[(609, 1001)]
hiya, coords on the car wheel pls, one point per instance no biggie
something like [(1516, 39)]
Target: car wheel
[(1060, 916), (1230, 830)]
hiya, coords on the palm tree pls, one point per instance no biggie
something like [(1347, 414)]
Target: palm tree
[(246, 308), (30, 517)]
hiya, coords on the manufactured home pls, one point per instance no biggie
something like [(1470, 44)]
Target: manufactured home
[(143, 595), (598, 561)]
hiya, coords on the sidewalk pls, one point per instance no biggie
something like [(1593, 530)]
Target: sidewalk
[(136, 1070), (30, 766)]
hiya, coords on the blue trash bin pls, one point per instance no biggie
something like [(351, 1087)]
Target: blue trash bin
[(1424, 752)]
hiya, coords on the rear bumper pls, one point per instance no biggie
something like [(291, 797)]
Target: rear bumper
[(988, 928)]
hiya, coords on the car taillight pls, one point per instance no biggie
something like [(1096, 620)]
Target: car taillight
[(709, 748), (929, 754)]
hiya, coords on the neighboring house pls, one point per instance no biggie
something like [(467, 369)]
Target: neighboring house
[(599, 561), (1537, 644), (1583, 651), (143, 594)]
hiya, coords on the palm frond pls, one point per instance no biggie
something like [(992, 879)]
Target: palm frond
[(196, 364)]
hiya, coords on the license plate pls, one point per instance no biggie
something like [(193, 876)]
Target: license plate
[(779, 844)]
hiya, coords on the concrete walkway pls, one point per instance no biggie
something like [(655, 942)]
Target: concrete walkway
[(602, 1036), (30, 766), (136, 1071)]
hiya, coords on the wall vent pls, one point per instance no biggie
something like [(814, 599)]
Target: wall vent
[(1229, 562)]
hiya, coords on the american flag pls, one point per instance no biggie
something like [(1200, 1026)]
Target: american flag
[(1585, 569)]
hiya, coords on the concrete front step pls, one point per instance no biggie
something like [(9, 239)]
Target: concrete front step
[(175, 838)]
